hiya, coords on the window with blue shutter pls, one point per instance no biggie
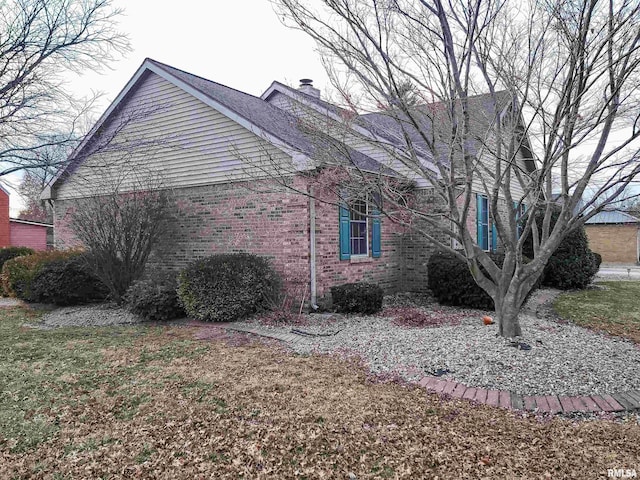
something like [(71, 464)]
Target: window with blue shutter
[(494, 238), (354, 231), (482, 221)]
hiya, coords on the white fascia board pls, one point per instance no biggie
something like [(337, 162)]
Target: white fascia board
[(227, 112), (29, 222), (277, 87)]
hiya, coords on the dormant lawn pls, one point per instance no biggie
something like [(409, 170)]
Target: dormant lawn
[(155, 402)]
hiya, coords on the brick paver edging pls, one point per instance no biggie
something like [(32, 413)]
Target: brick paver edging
[(615, 402)]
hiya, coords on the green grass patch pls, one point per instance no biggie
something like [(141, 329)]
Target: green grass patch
[(615, 309), (42, 372)]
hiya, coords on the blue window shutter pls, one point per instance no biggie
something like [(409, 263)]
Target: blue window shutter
[(345, 248), (494, 238), (480, 232), (376, 243)]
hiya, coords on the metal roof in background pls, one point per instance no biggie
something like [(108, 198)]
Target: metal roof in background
[(612, 217)]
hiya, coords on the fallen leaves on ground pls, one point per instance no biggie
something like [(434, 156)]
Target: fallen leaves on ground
[(169, 406)]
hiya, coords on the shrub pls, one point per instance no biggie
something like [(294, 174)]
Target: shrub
[(122, 229), (573, 265), (450, 281), (357, 297), (67, 281), (228, 287), (8, 253), (19, 272), (155, 298)]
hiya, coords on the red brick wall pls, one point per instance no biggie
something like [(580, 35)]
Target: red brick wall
[(264, 219), (25, 235), (270, 220), (5, 236), (387, 270)]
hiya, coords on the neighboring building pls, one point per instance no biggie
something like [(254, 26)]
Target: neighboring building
[(15, 232), (35, 235), (219, 149), (615, 235)]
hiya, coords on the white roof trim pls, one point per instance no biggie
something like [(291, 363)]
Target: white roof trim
[(29, 222), (148, 65)]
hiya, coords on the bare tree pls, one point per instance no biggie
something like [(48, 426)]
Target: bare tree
[(121, 225), (490, 75), (30, 189), (42, 41)]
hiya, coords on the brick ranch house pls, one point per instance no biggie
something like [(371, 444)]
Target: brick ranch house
[(615, 235), (15, 232), (217, 138)]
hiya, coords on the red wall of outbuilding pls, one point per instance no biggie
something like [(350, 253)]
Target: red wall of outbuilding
[(5, 236), (25, 235)]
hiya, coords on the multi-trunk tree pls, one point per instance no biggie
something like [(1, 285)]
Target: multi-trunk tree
[(556, 125)]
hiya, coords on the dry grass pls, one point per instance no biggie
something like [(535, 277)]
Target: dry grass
[(155, 403), (614, 309)]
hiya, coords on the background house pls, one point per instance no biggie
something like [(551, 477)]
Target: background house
[(615, 235), (15, 232)]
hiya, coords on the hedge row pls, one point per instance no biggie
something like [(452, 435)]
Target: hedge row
[(59, 277)]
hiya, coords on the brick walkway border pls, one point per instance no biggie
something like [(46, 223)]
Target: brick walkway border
[(615, 402)]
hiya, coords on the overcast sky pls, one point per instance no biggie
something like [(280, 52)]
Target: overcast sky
[(241, 44)]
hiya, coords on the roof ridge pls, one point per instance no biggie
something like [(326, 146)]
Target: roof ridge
[(167, 66)]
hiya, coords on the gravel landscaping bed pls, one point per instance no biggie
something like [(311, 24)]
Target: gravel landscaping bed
[(99, 315), (564, 359)]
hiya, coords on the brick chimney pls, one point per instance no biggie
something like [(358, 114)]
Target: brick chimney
[(306, 86), (5, 233)]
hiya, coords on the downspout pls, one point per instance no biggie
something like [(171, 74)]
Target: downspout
[(312, 247)]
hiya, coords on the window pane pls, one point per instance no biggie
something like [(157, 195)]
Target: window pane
[(358, 228)]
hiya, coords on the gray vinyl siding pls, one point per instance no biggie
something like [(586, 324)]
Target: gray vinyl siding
[(176, 138)]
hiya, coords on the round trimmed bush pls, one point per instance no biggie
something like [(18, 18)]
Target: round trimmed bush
[(67, 281), (155, 298), (598, 259), (573, 265), (228, 287), (19, 272), (357, 297), (451, 282)]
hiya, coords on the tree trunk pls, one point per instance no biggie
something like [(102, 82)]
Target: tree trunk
[(507, 310)]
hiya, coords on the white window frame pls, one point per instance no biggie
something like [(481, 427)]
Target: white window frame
[(366, 220)]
